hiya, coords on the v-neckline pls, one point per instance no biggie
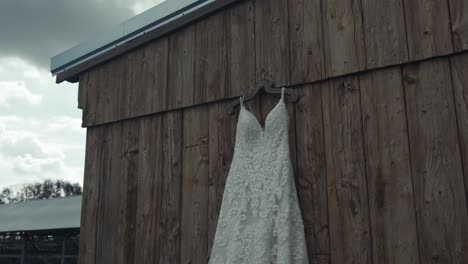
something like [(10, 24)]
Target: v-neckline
[(267, 116)]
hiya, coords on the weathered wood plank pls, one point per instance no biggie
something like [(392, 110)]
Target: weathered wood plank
[(459, 68), (180, 88), (125, 79), (158, 80), (435, 162), (125, 248), (240, 48), (149, 203), (82, 91), (391, 198), (311, 170), (272, 41), (105, 93), (428, 28), (195, 186), (221, 145), (320, 259), (169, 235), (107, 222), (343, 37), (350, 238), (211, 58), (384, 32), (459, 17), (306, 40), (90, 111), (141, 99), (90, 200)]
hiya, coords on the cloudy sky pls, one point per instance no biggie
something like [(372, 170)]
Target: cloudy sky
[(40, 125)]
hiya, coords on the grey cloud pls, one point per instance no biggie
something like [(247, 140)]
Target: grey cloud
[(37, 30)]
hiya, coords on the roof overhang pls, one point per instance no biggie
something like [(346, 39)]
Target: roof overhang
[(149, 25), (58, 213)]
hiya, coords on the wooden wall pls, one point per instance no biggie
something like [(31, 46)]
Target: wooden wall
[(379, 138)]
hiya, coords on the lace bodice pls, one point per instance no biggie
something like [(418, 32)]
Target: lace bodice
[(260, 220)]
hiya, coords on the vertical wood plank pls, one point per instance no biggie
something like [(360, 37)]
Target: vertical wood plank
[(194, 244), (125, 248), (89, 206), (149, 204), (210, 58), (141, 100), (82, 91), (240, 48), (391, 198), (428, 28), (436, 164), (311, 170), (350, 238), (272, 41), (384, 33), (158, 80), (221, 147), (459, 68), (91, 83), (343, 37), (306, 39), (170, 220), (125, 78), (107, 221), (459, 17), (180, 88)]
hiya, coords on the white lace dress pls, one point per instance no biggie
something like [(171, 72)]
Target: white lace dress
[(260, 220)]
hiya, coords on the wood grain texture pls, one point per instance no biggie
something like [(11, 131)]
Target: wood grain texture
[(158, 80), (106, 96), (306, 39), (459, 66), (170, 226), (90, 200), (459, 19), (141, 99), (150, 180), (221, 140), (240, 48), (343, 37), (320, 259), (435, 162), (428, 28), (311, 178), (350, 237), (125, 248), (272, 41), (210, 58), (194, 218), (384, 33), (82, 92), (125, 78), (109, 192), (391, 198), (91, 80), (180, 87)]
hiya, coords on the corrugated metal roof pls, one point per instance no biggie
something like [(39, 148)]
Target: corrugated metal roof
[(150, 20), (58, 213)]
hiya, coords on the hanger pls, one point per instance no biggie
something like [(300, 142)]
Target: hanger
[(262, 86)]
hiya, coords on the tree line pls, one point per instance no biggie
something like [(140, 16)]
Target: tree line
[(41, 190)]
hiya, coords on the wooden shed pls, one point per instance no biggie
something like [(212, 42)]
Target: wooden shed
[(379, 137)]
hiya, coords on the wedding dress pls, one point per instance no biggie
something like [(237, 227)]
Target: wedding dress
[(260, 219)]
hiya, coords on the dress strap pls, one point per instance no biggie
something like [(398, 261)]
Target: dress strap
[(282, 92), (242, 101)]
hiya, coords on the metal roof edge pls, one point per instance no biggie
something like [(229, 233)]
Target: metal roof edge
[(150, 20)]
